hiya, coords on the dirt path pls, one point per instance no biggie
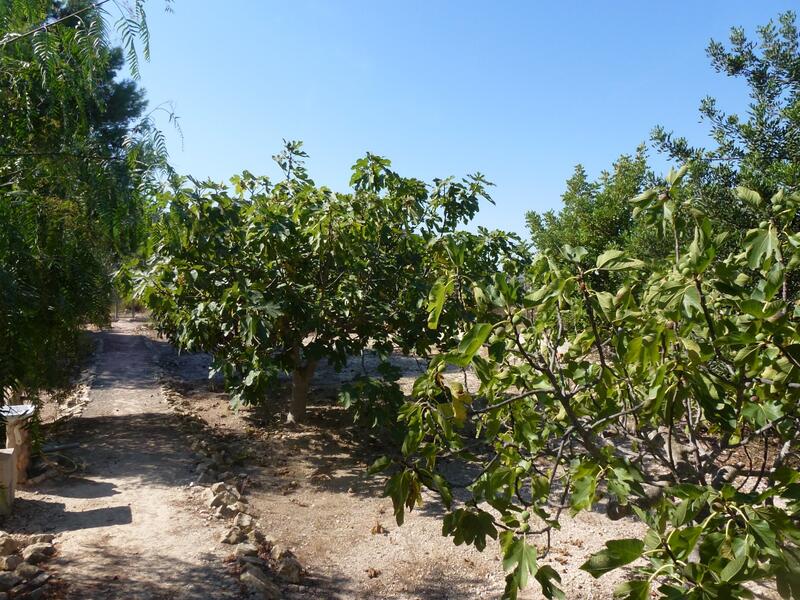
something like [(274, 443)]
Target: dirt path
[(309, 488), (127, 526)]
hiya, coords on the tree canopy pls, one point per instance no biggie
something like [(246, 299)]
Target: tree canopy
[(276, 277), (78, 158)]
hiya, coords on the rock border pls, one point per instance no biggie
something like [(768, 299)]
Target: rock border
[(259, 561), (21, 557)]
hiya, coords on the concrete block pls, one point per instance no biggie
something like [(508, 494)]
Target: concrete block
[(8, 479)]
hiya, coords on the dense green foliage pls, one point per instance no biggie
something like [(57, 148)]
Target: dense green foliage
[(597, 215), (665, 383), (275, 277), (78, 156), (676, 376)]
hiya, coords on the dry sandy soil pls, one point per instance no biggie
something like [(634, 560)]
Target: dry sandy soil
[(126, 522), (311, 492), (131, 525)]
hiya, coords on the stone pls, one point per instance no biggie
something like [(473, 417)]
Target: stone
[(27, 571), (256, 581), (222, 499), (39, 580), (8, 545), (41, 538), (206, 477), (233, 536), (245, 549), (32, 589), (225, 512), (243, 521), (257, 538), (36, 553), (250, 560), (222, 487), (278, 552), (289, 568), (269, 541), (8, 581), (9, 563)]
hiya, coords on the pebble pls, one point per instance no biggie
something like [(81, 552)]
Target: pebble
[(36, 553), (255, 580), (243, 521), (8, 545), (8, 581), (233, 536), (278, 552), (245, 549), (27, 571), (9, 563), (289, 568)]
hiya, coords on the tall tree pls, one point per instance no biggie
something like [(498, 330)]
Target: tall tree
[(78, 155), (595, 214)]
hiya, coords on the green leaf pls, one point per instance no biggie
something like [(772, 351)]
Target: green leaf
[(518, 557), (470, 344), (549, 579), (637, 589), (617, 553), (747, 195), (584, 485), (379, 465), (615, 260), (683, 541), (760, 245), (644, 197), (444, 489), (574, 255), (691, 301), (740, 551), (252, 377), (675, 177), (436, 298)]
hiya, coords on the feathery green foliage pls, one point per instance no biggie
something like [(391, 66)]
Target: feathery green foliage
[(78, 160)]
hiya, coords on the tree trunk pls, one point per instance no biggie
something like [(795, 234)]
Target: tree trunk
[(301, 381)]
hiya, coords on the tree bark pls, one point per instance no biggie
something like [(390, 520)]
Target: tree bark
[(301, 381)]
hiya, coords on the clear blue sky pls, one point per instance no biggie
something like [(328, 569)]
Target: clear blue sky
[(521, 91)]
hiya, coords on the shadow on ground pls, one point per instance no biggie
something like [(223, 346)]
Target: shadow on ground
[(110, 578)]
